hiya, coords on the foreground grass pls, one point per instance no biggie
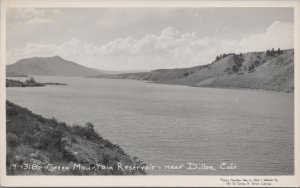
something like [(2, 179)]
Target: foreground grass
[(40, 146)]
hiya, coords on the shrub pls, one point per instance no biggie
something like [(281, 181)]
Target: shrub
[(12, 140), (49, 139), (120, 151), (185, 74), (73, 139), (235, 68), (116, 158), (28, 138), (11, 112), (109, 145), (251, 68), (89, 126), (256, 63), (105, 159), (56, 156), (86, 132), (68, 156), (54, 120)]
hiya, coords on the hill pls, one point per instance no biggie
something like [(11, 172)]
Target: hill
[(41, 146), (50, 66), (270, 70)]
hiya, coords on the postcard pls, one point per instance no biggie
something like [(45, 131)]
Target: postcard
[(149, 93)]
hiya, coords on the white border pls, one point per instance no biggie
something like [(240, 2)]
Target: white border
[(137, 181)]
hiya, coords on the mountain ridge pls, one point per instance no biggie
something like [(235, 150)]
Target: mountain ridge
[(269, 70)]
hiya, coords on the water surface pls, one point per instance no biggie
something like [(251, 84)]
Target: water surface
[(173, 125)]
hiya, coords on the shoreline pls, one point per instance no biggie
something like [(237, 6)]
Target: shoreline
[(237, 88), (162, 83), (194, 86)]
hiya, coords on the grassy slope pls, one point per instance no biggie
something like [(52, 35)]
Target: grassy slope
[(255, 70), (34, 139)]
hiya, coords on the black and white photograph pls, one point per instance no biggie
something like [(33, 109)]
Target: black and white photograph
[(141, 90)]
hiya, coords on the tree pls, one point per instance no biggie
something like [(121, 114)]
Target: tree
[(272, 51), (279, 51), (89, 126), (256, 63), (31, 80)]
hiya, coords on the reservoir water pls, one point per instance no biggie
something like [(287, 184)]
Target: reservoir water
[(163, 125)]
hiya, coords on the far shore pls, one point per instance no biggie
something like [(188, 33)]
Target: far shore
[(29, 83), (151, 82)]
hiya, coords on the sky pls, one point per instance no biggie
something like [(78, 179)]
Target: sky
[(145, 38)]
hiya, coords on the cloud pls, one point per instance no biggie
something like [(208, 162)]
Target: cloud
[(278, 35), (120, 17), (73, 49), (168, 49), (29, 15)]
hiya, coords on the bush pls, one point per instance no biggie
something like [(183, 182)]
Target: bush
[(49, 139), (55, 121), (120, 151), (256, 63), (86, 132), (28, 138), (251, 68), (12, 140), (109, 145), (11, 112), (68, 156), (105, 159), (56, 156), (235, 68), (89, 125), (185, 74)]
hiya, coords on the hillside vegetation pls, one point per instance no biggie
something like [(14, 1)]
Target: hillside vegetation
[(270, 70), (34, 141)]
